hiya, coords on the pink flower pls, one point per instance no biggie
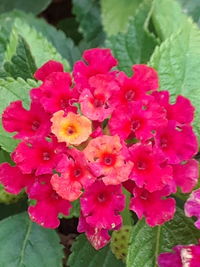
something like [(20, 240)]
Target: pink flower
[(97, 61), (27, 123), (188, 256), (45, 70), (177, 142), (141, 120), (144, 79), (95, 102), (153, 206), (14, 180), (149, 168), (186, 175), (75, 175), (175, 111), (108, 158), (55, 93), (192, 206), (49, 205), (101, 204), (98, 237), (37, 155)]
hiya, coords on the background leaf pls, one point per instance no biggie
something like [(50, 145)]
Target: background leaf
[(30, 246), (116, 14), (35, 6), (177, 61), (192, 8), (137, 44), (147, 242), (84, 255)]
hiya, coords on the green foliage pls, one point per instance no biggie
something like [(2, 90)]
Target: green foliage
[(87, 13), (116, 14), (177, 61), (146, 242), (36, 6), (24, 243), (12, 90), (21, 63), (137, 44), (84, 255), (75, 210), (192, 8)]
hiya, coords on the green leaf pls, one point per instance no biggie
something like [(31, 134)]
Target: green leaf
[(177, 61), (36, 6), (87, 13), (137, 44), (41, 49), (116, 14), (24, 243), (84, 255), (147, 242), (4, 156), (75, 210), (192, 8), (12, 90), (21, 63), (167, 17)]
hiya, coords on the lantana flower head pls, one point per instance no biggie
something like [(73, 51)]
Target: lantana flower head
[(88, 134)]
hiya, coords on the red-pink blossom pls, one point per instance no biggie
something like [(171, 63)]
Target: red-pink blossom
[(108, 159), (182, 255), (186, 175), (98, 237), (97, 61), (46, 69), (14, 180), (75, 175), (27, 123), (56, 93), (101, 204), (192, 206), (95, 102), (175, 111), (155, 207), (149, 168), (49, 204), (37, 155), (177, 142)]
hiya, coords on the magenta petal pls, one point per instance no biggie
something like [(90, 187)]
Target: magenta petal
[(192, 206), (51, 66)]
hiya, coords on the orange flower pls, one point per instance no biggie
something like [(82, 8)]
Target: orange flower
[(72, 129)]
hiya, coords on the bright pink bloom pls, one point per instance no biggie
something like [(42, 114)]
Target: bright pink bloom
[(153, 206), (27, 123), (108, 158), (101, 204), (75, 175), (49, 205), (186, 175), (149, 168), (192, 206), (141, 120), (55, 93), (95, 102), (37, 155), (188, 256), (134, 88), (97, 61), (13, 179), (177, 142), (98, 237), (45, 70), (178, 110)]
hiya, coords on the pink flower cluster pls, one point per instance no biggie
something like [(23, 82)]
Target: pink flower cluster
[(92, 132), (188, 256)]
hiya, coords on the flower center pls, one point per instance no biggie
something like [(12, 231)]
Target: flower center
[(101, 197), (35, 125), (141, 165), (70, 130), (130, 94), (135, 125), (77, 173), (46, 156), (98, 103), (144, 195), (163, 142), (64, 103)]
